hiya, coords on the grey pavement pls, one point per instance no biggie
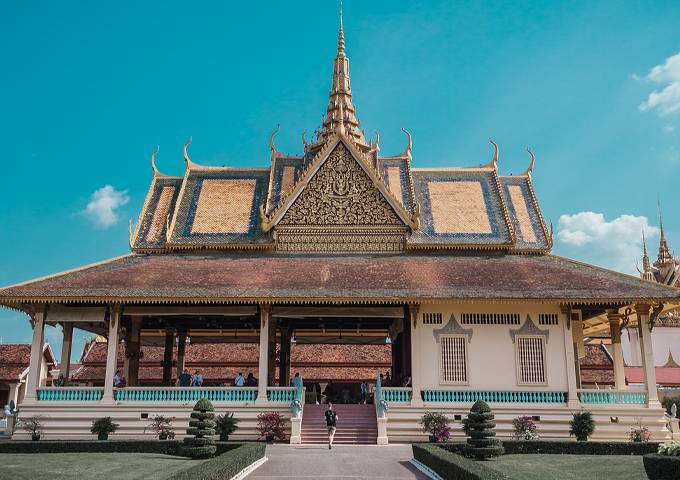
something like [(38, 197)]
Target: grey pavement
[(343, 462)]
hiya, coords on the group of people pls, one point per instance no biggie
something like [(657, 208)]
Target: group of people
[(329, 392), (185, 379), (251, 381), (399, 380)]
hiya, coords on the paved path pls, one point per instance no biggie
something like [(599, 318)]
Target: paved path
[(343, 462)]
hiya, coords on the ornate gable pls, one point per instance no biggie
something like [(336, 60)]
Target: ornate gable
[(341, 210)]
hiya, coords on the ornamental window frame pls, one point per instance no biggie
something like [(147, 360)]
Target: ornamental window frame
[(519, 344), (462, 341)]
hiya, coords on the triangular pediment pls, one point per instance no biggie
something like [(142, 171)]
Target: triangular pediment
[(341, 193)]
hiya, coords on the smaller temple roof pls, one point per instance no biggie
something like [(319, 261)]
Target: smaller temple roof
[(15, 359)]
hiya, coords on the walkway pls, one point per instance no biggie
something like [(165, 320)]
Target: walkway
[(343, 462)]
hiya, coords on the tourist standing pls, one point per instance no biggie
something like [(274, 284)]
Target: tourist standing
[(252, 381), (184, 380), (239, 380), (296, 380), (197, 379), (364, 391), (331, 417)]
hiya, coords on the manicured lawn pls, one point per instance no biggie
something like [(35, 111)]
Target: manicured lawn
[(570, 467), (109, 466)]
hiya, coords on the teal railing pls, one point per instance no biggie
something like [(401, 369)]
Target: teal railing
[(70, 394), (397, 395), (281, 394), (185, 394), (619, 397), (490, 396)]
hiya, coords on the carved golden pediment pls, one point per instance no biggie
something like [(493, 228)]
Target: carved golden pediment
[(343, 201)]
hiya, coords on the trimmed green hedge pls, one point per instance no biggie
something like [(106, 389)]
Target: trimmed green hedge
[(451, 466), (566, 448), (661, 467), (167, 447), (226, 465)]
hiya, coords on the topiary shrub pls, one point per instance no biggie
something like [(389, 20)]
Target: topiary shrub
[(479, 427), (202, 427)]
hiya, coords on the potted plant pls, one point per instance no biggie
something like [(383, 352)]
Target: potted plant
[(640, 434), (162, 427), (524, 428), (270, 426), (102, 427), (582, 425), (225, 425), (34, 425), (437, 425)]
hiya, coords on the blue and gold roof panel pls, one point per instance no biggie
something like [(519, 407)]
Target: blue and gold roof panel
[(285, 172), (159, 206), (460, 207), (525, 213), (396, 175)]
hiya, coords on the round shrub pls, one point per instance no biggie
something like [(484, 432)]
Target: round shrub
[(479, 427), (202, 444)]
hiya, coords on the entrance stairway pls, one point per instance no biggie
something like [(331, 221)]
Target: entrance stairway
[(357, 424)]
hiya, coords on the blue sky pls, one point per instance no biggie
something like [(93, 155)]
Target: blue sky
[(89, 89)]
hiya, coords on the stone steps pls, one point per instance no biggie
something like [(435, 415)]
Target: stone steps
[(356, 425)]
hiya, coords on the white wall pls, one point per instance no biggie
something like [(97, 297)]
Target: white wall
[(663, 338), (491, 354)]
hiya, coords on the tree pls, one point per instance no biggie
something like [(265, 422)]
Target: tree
[(478, 426), (202, 427)]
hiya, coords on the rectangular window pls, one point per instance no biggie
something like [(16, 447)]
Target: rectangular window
[(489, 319), (432, 318), (547, 319), (453, 359), (530, 360)]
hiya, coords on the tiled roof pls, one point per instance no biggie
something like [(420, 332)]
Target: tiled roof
[(396, 172), (220, 207), (285, 172), (595, 355), (160, 202), (14, 360), (599, 376), (460, 207), (525, 212), (253, 277), (665, 376)]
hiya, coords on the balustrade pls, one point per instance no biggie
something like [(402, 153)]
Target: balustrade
[(70, 394), (491, 396), (281, 394), (397, 395), (617, 397), (185, 394)]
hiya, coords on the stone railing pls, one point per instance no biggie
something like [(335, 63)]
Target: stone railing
[(281, 394), (609, 397), (70, 394), (397, 394), (492, 396), (185, 394)]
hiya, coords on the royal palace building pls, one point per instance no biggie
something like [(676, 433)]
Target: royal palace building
[(451, 267)]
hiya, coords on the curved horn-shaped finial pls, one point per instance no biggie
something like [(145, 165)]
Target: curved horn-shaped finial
[(271, 141), (130, 222), (551, 234), (153, 162), (375, 146), (303, 139), (409, 145), (494, 161), (531, 166), (638, 268), (186, 156)]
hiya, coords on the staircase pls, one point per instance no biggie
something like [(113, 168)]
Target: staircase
[(356, 424)]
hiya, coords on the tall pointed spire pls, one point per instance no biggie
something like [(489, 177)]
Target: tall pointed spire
[(647, 273), (665, 261), (340, 112)]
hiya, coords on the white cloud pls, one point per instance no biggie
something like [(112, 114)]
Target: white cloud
[(668, 99), (104, 205), (669, 128), (616, 244)]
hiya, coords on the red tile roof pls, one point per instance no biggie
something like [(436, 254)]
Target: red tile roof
[(15, 358), (666, 376), (178, 277)]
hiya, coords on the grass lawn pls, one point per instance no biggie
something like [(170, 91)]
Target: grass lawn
[(109, 466), (570, 467)]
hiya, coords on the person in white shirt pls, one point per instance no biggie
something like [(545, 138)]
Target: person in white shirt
[(239, 380)]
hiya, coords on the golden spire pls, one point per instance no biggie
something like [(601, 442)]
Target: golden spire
[(646, 273), (340, 112), (665, 261)]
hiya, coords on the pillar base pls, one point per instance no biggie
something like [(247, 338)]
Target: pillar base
[(261, 402), (296, 431), (417, 402), (382, 431), (675, 428), (9, 426)]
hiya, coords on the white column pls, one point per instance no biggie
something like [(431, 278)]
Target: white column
[(112, 353), (65, 364), (571, 363), (34, 367), (617, 352), (416, 374), (647, 354), (264, 355)]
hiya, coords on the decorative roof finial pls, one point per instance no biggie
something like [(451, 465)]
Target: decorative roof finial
[(658, 200), (341, 35), (409, 146), (531, 165), (186, 156), (494, 161), (153, 163)]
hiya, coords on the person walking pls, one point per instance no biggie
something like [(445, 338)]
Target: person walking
[(364, 391), (331, 417)]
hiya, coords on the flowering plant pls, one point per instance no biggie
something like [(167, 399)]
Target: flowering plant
[(162, 426), (640, 434), (437, 424), (524, 428), (270, 426)]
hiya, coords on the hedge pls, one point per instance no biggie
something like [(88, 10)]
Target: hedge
[(661, 467), (167, 447), (568, 448), (451, 466), (224, 466)]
